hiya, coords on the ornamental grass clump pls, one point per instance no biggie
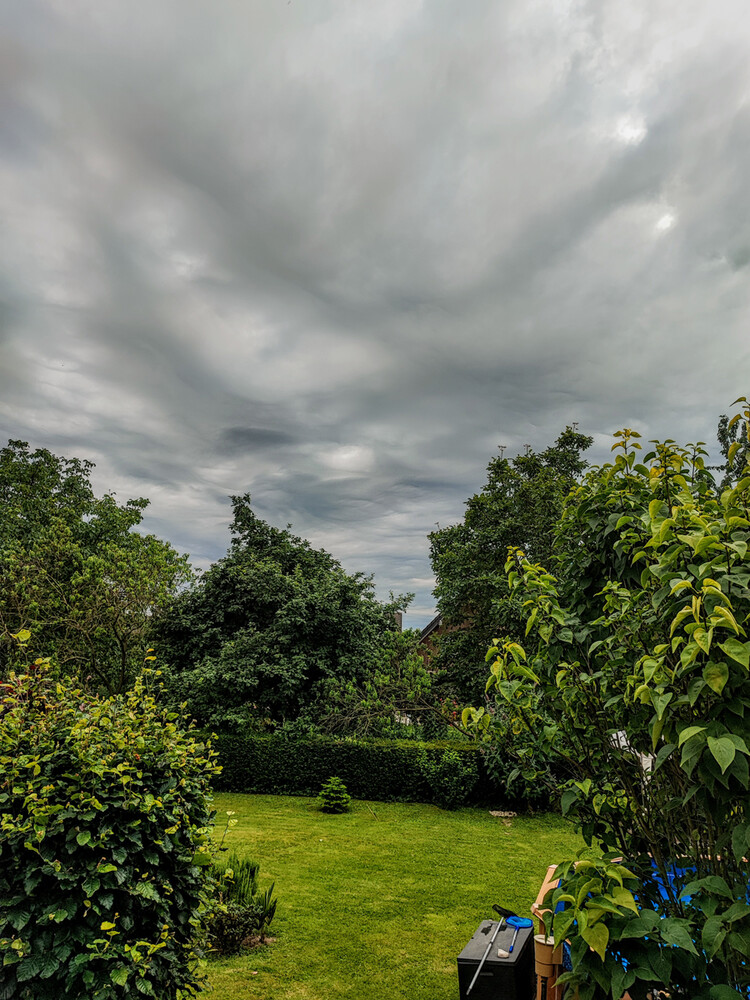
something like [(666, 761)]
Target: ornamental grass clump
[(241, 913), (105, 816)]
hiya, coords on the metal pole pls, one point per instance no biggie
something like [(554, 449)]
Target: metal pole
[(513, 942), (484, 957)]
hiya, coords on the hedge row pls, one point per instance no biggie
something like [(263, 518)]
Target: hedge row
[(383, 770)]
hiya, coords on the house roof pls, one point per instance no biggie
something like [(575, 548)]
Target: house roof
[(427, 631)]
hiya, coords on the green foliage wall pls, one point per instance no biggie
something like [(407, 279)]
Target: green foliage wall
[(104, 827), (384, 770)]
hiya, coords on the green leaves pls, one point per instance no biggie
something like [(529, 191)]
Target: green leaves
[(623, 897), (651, 714), (29, 968), (622, 980), (645, 923), (86, 920), (724, 992), (597, 937), (660, 702), (738, 651), (676, 931), (276, 629), (518, 506), (72, 569), (716, 675), (688, 733), (723, 751), (201, 859), (713, 935)]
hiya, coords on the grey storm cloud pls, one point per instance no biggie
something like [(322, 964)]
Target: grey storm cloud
[(334, 254), (234, 439)]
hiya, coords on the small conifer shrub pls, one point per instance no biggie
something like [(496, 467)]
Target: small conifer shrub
[(334, 797)]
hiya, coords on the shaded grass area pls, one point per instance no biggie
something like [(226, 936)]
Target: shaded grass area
[(376, 908)]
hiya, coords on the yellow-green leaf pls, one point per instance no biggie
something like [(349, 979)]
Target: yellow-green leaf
[(690, 731), (623, 897), (739, 651), (597, 938), (721, 616), (703, 639), (716, 675)]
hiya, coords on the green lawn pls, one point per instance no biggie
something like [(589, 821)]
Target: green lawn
[(376, 908)]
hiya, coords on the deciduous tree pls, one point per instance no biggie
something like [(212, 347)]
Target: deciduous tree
[(269, 626), (74, 572), (397, 688), (519, 504)]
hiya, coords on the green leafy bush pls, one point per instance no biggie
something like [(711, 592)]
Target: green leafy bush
[(640, 687), (239, 911), (539, 793), (334, 797), (104, 841), (228, 926), (451, 778)]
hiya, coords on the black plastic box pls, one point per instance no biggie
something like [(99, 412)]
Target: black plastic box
[(509, 978)]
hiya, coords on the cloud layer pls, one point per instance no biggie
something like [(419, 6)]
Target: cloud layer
[(334, 254)]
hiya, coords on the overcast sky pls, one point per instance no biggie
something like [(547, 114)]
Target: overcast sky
[(335, 252)]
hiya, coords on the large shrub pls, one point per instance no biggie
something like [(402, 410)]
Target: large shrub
[(450, 777), (104, 829), (641, 689)]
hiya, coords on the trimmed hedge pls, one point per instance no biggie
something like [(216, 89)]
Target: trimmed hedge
[(383, 770)]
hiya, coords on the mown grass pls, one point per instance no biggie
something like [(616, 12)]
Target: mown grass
[(377, 908)]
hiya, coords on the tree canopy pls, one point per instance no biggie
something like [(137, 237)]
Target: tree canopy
[(267, 629), (733, 437), (520, 504), (73, 572)]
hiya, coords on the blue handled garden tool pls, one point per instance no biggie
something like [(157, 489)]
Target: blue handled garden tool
[(518, 923)]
